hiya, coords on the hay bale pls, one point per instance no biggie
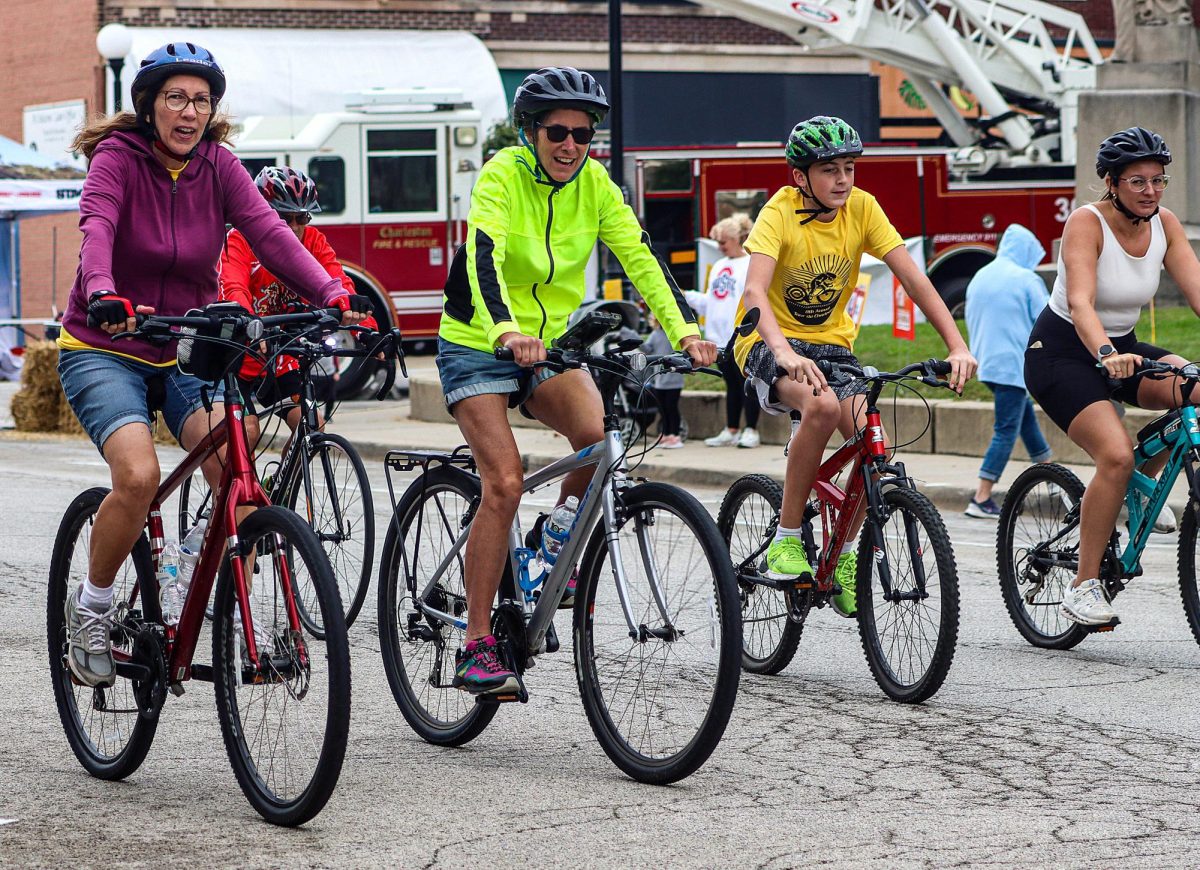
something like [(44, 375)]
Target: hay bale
[(38, 406)]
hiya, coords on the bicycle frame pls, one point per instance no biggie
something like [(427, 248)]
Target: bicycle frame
[(239, 487)]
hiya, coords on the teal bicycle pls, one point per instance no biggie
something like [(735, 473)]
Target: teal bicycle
[(1037, 544)]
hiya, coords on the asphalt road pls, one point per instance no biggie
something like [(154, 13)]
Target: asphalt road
[(1025, 757)]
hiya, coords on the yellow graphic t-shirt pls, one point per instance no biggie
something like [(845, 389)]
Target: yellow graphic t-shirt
[(816, 265)]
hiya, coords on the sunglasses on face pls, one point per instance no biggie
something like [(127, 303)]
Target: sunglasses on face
[(297, 218), (177, 102), (558, 133)]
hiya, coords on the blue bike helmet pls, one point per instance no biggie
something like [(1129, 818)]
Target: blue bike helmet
[(175, 59)]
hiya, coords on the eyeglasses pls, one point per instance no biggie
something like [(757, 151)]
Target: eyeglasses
[(296, 218), (559, 133), (177, 102), (1138, 184)]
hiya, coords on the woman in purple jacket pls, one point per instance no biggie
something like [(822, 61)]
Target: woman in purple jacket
[(160, 190)]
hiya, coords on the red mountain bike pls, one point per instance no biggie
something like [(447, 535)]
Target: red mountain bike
[(907, 583), (283, 697)]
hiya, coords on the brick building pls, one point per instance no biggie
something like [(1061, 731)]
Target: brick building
[(681, 61)]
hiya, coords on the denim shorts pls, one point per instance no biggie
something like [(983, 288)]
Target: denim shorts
[(467, 372), (107, 391)]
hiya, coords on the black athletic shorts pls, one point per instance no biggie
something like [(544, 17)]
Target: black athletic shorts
[(1062, 374)]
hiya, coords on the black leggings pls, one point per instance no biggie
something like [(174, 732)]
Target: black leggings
[(735, 393), (668, 403)]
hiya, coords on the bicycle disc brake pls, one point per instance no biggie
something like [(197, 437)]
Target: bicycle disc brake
[(151, 693)]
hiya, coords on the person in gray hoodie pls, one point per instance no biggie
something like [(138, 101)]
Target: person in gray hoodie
[(1003, 300)]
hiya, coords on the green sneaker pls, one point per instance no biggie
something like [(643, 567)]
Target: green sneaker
[(846, 575), (786, 559)]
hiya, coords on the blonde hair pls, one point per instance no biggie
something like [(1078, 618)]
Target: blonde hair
[(735, 225), (219, 130)]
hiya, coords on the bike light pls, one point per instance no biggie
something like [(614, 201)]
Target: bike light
[(637, 361), (331, 343)]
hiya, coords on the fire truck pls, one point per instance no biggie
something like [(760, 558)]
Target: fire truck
[(394, 173)]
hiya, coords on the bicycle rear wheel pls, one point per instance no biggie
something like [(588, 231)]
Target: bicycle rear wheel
[(284, 725), (342, 513), (1034, 570), (658, 701), (747, 520), (104, 727), (418, 651), (908, 635)]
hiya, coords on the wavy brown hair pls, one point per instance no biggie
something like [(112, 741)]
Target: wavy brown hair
[(219, 129)]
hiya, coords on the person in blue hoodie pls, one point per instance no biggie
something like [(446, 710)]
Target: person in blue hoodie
[(1003, 300)]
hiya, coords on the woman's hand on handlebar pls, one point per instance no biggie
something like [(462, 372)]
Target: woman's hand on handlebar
[(129, 324), (1121, 365), (962, 368), (703, 353), (526, 350), (801, 368)]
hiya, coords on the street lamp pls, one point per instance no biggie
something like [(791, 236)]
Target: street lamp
[(114, 42)]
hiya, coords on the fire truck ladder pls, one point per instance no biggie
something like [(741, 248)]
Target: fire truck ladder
[(1000, 50)]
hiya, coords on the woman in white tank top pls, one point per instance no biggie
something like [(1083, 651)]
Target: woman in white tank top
[(1109, 264)]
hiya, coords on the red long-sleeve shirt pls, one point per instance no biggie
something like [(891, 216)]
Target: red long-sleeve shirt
[(244, 279)]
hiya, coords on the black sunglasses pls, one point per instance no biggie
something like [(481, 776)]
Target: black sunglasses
[(559, 133), (297, 218)]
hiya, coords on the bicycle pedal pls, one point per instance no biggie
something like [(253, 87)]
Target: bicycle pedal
[(1108, 626), (504, 697)]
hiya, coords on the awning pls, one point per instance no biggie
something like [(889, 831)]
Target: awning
[(32, 182), (300, 72)]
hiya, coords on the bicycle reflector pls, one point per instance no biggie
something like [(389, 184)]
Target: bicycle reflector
[(208, 352)]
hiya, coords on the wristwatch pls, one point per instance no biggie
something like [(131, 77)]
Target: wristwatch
[(1105, 350)]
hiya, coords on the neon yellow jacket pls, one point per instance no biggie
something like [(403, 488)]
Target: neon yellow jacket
[(528, 242)]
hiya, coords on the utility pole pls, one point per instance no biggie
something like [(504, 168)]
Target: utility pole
[(616, 163)]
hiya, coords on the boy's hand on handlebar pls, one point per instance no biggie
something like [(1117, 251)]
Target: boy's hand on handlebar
[(1121, 365), (703, 353), (962, 368), (801, 368), (526, 350)]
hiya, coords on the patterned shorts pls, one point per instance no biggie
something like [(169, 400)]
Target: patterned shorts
[(761, 373)]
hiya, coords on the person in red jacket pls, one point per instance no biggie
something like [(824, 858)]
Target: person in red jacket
[(244, 279)]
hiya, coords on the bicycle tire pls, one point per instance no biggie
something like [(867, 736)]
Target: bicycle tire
[(350, 544), (126, 745), (1189, 592), (1031, 514), (440, 714), (905, 673), (748, 514), (709, 615), (195, 501), (296, 790)]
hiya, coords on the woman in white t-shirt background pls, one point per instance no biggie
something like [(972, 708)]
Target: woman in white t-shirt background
[(718, 303), (1110, 261)]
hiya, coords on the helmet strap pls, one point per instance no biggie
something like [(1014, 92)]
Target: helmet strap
[(544, 177), (1135, 219), (813, 213)]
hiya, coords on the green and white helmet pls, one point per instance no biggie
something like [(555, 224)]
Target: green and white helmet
[(821, 138)]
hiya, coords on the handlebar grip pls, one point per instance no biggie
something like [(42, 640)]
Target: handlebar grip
[(504, 354), (939, 367), (826, 367)]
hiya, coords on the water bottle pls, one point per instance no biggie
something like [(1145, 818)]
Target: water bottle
[(189, 554), (556, 529), (168, 583)]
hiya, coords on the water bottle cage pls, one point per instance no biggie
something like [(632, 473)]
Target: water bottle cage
[(525, 557)]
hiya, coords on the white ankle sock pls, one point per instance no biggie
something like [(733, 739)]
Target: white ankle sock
[(96, 598), (781, 533)]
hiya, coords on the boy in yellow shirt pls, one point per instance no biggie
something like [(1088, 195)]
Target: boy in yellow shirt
[(805, 250)]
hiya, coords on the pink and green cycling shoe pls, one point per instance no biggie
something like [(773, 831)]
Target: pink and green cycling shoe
[(478, 669)]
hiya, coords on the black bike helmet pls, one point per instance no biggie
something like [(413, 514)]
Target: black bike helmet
[(821, 138), (287, 190), (558, 87), (1129, 146)]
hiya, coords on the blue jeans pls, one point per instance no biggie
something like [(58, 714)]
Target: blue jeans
[(1014, 414)]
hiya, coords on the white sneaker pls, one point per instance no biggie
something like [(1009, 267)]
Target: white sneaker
[(724, 439), (264, 639), (1165, 523), (749, 438), (1086, 604)]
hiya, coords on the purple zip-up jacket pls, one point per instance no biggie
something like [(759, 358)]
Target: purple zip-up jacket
[(158, 242)]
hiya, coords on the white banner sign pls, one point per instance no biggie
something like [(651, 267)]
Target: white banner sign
[(40, 195), (50, 128)]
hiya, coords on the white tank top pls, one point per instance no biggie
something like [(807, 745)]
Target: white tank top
[(1123, 283)]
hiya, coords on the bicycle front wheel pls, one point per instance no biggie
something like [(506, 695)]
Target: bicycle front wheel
[(418, 650), (909, 631), (338, 505), (658, 693), (747, 520), (284, 724), (106, 732), (1037, 554)]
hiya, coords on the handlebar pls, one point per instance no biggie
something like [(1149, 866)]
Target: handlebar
[(561, 360), (931, 370)]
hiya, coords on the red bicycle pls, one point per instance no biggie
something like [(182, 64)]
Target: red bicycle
[(283, 696), (907, 582)]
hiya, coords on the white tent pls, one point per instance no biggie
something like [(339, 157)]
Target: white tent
[(301, 72)]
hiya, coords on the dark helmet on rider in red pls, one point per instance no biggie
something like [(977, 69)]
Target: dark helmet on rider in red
[(287, 190)]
